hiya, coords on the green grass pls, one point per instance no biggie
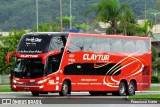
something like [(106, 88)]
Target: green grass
[(4, 84), (147, 96), (5, 89), (154, 89)]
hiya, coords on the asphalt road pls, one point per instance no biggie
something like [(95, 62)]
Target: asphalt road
[(74, 98), (54, 95)]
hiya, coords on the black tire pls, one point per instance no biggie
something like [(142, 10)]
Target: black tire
[(131, 88), (115, 93), (35, 93), (97, 93), (94, 93), (65, 89), (103, 93), (122, 89)]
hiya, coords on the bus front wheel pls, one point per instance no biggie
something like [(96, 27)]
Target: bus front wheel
[(65, 89), (35, 93)]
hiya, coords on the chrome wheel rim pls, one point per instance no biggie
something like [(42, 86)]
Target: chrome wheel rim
[(131, 88), (122, 89), (65, 88)]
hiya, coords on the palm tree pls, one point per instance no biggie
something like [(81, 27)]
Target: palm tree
[(111, 11), (146, 28)]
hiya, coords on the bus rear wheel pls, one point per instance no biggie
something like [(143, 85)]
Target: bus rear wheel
[(35, 93), (131, 88), (122, 89), (65, 89)]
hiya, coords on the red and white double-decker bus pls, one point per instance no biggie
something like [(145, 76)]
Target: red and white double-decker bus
[(74, 62)]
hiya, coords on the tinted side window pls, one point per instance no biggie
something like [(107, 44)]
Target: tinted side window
[(142, 46), (76, 44), (56, 43), (90, 44), (103, 45), (129, 46), (116, 45), (90, 69)]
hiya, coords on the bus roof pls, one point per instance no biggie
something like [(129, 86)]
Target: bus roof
[(111, 36), (87, 34), (47, 33)]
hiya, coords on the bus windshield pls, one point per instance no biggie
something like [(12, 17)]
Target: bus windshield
[(28, 68), (31, 44)]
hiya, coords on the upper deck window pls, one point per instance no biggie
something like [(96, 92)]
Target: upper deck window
[(56, 43), (116, 45), (142, 46), (129, 46), (103, 45), (99, 44), (76, 44), (90, 44)]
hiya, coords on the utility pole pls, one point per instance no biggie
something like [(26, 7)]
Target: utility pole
[(70, 14), (37, 13), (145, 9), (155, 20), (60, 13)]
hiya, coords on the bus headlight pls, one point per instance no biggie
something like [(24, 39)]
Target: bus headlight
[(14, 81), (41, 81)]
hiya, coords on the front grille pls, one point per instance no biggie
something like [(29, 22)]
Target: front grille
[(27, 83)]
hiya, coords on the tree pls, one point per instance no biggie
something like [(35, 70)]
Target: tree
[(155, 62), (127, 23), (66, 21), (146, 28), (83, 26), (9, 44), (47, 27), (112, 12)]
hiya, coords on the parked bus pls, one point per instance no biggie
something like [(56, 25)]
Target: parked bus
[(74, 62)]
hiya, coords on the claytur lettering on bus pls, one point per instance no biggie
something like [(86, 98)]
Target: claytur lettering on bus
[(95, 57)]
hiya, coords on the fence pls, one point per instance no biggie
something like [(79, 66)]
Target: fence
[(5, 79)]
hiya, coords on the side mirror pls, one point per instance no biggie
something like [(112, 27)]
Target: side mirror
[(9, 55), (68, 52), (62, 49), (47, 55)]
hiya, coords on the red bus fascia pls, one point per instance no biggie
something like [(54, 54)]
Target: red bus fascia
[(9, 55), (43, 56)]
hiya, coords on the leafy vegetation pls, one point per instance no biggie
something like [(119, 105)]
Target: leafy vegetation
[(120, 18), (155, 79), (54, 27), (9, 44)]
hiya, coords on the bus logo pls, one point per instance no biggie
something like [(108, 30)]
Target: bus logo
[(32, 80), (29, 56), (96, 57)]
